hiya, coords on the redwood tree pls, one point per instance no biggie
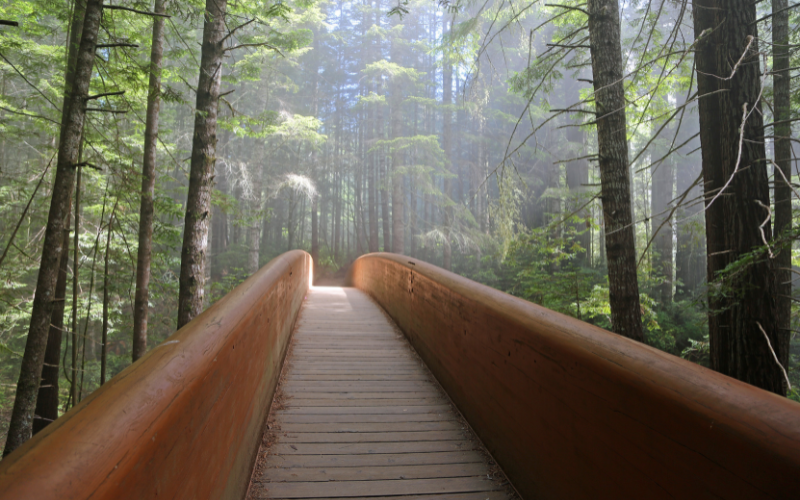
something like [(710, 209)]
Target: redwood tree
[(743, 321)]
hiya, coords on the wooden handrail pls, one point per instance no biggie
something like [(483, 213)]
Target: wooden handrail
[(184, 421), (572, 411)]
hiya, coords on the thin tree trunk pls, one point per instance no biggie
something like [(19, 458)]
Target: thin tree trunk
[(20, 426), (47, 400), (783, 153), (104, 338), (743, 311), (447, 145), (147, 209), (204, 145), (607, 71), (76, 251), (398, 197), (662, 184)]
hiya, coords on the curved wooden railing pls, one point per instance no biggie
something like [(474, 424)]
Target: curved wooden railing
[(572, 411), (185, 420)]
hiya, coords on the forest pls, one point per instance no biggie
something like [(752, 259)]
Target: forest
[(630, 163)]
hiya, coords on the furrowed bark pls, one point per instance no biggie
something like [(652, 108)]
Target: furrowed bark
[(607, 71), (781, 79), (201, 175), (20, 426), (146, 207), (742, 305)]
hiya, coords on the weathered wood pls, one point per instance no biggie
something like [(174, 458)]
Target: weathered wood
[(360, 416), (340, 489)]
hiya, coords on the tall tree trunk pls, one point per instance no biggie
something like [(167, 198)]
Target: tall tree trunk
[(615, 184), (447, 146), (662, 184), (147, 209), (21, 423), (689, 259), (76, 252), (577, 179), (254, 230), (204, 149), (783, 155), (398, 197), (47, 400), (743, 313), (104, 336)]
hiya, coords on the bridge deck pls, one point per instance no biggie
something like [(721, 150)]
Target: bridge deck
[(358, 415)]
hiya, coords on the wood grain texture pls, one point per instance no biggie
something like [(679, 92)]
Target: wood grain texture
[(572, 411), (358, 415)]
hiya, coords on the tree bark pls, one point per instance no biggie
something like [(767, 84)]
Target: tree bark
[(76, 251), (447, 146), (204, 145), (783, 153), (607, 71), (662, 185), (147, 209), (743, 314), (20, 426), (47, 400)]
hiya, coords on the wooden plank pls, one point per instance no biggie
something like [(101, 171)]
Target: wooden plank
[(349, 418), (338, 489), (484, 495), (358, 386), (364, 377), (310, 474), (368, 448), (386, 459), (369, 437), (311, 393), (402, 426), (361, 416), (366, 410), (347, 403)]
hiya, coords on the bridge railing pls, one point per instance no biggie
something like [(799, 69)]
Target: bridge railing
[(184, 421), (572, 411)]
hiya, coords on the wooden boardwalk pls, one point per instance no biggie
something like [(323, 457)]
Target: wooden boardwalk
[(358, 415)]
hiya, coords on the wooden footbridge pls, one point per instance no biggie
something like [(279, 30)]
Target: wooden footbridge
[(411, 384)]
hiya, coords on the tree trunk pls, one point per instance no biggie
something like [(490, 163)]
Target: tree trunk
[(398, 197), (20, 426), (447, 146), (577, 179), (76, 251), (689, 258), (662, 184), (607, 71), (47, 400), (147, 209), (743, 324), (204, 146), (783, 155), (104, 337)]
